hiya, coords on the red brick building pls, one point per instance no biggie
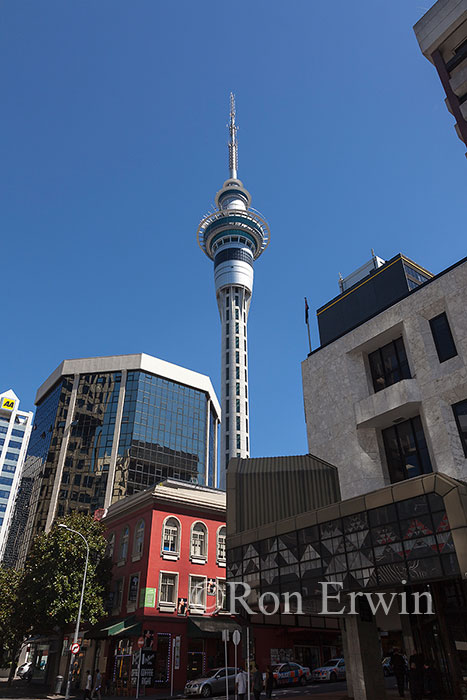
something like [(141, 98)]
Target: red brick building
[(168, 549)]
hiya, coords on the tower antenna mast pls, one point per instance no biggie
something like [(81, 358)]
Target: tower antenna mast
[(233, 144)]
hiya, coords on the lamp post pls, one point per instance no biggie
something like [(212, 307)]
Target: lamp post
[(65, 527)]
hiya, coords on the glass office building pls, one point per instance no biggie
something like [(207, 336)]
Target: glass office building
[(109, 427), (15, 429)]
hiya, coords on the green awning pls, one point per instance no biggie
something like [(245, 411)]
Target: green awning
[(207, 627), (128, 627)]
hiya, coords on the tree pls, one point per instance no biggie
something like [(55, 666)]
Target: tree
[(45, 596), (53, 575), (12, 624)]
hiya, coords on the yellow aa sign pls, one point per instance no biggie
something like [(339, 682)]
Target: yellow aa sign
[(7, 404)]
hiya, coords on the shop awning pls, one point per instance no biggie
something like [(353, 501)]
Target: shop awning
[(128, 627), (206, 627)]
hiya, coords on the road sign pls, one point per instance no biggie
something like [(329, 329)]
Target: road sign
[(225, 635), (75, 648), (236, 637)]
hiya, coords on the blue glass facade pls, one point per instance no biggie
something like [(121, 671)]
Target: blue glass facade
[(163, 434)]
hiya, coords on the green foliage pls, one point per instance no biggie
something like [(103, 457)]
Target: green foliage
[(53, 576), (12, 623)]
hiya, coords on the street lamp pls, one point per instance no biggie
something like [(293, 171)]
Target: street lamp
[(67, 696)]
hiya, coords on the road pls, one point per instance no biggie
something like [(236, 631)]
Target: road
[(311, 689)]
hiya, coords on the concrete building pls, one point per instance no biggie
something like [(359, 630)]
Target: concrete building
[(386, 399), (442, 35), (234, 236), (108, 427), (15, 430)]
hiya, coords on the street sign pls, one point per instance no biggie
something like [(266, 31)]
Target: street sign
[(141, 642), (75, 648), (225, 635), (236, 637)]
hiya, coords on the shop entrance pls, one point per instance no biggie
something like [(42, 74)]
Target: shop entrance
[(307, 656)]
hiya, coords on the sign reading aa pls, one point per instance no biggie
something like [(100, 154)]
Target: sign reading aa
[(7, 404)]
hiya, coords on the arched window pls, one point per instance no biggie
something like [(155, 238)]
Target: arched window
[(138, 542), (199, 542), (111, 545), (221, 533), (170, 545), (125, 536)]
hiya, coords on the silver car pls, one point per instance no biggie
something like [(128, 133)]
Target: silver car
[(213, 683)]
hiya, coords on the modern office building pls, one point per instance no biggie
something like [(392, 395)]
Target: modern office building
[(233, 235), (442, 35), (385, 394), (108, 427), (15, 430)]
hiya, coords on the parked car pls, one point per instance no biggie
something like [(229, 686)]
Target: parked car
[(333, 670), (213, 683), (25, 670), (289, 672)]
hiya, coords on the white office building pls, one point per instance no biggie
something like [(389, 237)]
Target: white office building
[(15, 429)]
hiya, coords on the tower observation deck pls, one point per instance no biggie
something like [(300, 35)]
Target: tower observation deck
[(233, 235)]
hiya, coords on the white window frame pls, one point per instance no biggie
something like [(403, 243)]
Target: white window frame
[(221, 562), (163, 605), (137, 555), (111, 545), (131, 605), (122, 559), (199, 558), (171, 556), (117, 606), (219, 609), (194, 607)]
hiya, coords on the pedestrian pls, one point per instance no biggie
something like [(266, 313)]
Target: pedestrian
[(88, 687), (398, 666), (97, 686), (257, 682), (416, 676), (431, 680), (269, 682), (241, 680)]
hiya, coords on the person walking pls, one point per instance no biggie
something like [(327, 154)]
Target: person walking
[(416, 676), (88, 686), (241, 680), (97, 686), (269, 682), (431, 680), (257, 682), (398, 665)]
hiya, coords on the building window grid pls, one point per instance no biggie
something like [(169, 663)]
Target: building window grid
[(389, 364), (168, 587), (199, 540)]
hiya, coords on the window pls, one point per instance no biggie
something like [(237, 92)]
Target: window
[(15, 445), (406, 450), (238, 422), (199, 541), (221, 594), (221, 533), (460, 413), (197, 596), (125, 536), (118, 594), (237, 342), (238, 442), (111, 545), (171, 538), (237, 405), (227, 389), (442, 336), (138, 542), (167, 590), (389, 365)]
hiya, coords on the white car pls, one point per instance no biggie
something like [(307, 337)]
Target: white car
[(333, 670)]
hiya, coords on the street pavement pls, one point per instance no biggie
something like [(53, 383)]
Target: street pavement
[(20, 690)]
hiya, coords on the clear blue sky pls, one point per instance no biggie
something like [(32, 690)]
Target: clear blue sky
[(113, 145)]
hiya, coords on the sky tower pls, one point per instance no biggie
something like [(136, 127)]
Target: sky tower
[(233, 235)]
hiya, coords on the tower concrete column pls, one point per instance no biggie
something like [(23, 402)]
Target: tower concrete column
[(365, 679)]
